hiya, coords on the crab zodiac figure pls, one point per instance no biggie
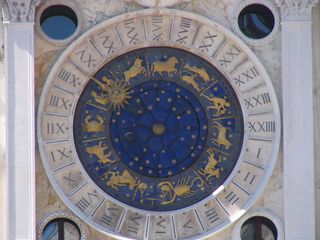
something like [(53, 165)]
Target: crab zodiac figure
[(93, 123)]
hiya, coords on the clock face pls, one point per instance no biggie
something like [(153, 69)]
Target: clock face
[(158, 126)]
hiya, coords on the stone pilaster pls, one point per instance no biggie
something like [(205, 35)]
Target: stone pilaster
[(297, 98), (18, 16)]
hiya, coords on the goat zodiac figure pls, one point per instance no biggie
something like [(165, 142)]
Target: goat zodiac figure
[(222, 135)]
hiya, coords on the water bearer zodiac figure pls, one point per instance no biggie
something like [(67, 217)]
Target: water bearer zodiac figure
[(211, 169), (183, 188), (222, 135)]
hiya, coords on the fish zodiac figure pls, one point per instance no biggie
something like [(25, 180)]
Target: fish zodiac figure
[(199, 71), (218, 104), (98, 150), (222, 135), (168, 67), (211, 169), (134, 70), (183, 188), (93, 124)]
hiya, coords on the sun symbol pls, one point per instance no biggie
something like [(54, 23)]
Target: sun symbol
[(118, 94)]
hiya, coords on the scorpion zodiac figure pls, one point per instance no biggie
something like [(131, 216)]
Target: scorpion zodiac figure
[(222, 135), (211, 169), (182, 189), (93, 124)]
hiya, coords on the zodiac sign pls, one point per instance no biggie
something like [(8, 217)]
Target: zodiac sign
[(222, 135), (211, 170), (115, 93), (95, 124), (191, 80), (168, 66), (126, 180), (200, 71), (218, 104), (182, 189), (134, 70), (98, 150)]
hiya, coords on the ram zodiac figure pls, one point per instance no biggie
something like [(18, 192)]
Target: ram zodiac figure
[(134, 70), (168, 67)]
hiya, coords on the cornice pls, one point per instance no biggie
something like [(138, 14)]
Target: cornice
[(18, 10), (296, 10), (159, 3)]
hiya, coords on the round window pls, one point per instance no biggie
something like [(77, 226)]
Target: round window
[(58, 22), (259, 228), (61, 229), (256, 21)]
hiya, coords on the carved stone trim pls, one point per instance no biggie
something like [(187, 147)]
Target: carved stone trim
[(18, 10), (259, 212), (235, 25), (160, 3), (60, 214), (296, 10)]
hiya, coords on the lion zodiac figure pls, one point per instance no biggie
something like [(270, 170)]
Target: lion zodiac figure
[(134, 70), (211, 169), (182, 189), (93, 124), (168, 67), (98, 150), (218, 104)]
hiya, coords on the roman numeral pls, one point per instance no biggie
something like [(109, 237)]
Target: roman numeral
[(109, 216), (133, 226), (246, 76), (71, 181), (184, 27), (258, 100), (188, 224), (106, 44), (229, 56), (56, 128), (132, 33), (61, 154), (86, 58), (83, 204), (262, 126), (249, 178), (156, 28), (205, 45), (232, 198), (59, 102), (159, 224), (68, 77), (212, 215)]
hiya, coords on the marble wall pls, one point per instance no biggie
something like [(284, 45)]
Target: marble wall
[(96, 11)]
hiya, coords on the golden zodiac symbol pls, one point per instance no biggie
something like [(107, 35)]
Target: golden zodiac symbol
[(134, 70), (98, 150), (125, 179), (93, 124), (200, 71), (218, 104), (115, 93), (168, 66), (141, 187), (211, 170), (191, 80), (222, 135), (182, 189)]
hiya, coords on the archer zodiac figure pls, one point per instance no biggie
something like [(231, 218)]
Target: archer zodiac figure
[(98, 150), (211, 169), (183, 188), (93, 124), (222, 135), (218, 104), (168, 67), (134, 70)]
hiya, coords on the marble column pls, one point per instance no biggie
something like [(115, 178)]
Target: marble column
[(297, 100), (20, 118)]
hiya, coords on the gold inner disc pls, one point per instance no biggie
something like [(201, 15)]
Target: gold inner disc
[(158, 129)]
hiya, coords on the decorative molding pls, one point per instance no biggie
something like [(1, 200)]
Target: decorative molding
[(296, 10), (235, 24), (18, 10), (259, 212), (159, 3)]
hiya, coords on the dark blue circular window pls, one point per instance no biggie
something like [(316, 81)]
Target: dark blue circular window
[(58, 22), (256, 21), (158, 128)]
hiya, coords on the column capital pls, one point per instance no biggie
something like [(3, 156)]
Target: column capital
[(296, 10), (18, 10)]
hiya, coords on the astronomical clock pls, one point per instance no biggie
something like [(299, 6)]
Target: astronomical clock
[(158, 124)]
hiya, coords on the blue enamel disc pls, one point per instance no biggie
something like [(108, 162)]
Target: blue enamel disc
[(158, 128)]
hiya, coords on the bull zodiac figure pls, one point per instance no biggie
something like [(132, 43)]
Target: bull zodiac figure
[(98, 150), (218, 104), (182, 189), (168, 67), (93, 124), (199, 71), (211, 170), (134, 70), (126, 180), (222, 135)]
